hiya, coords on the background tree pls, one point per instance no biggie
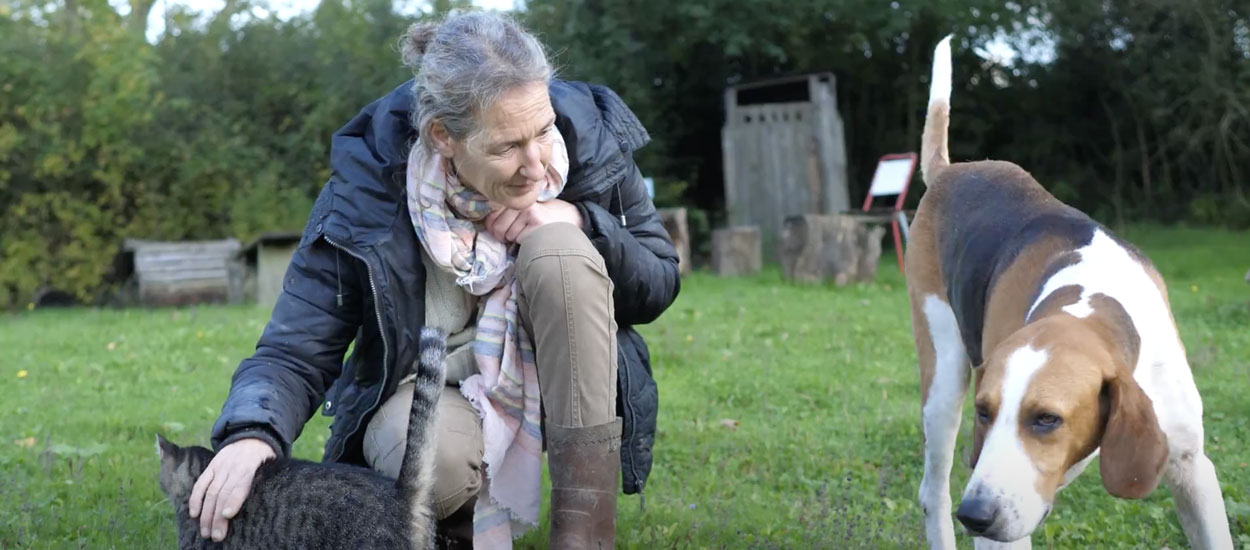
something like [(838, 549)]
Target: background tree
[(219, 125)]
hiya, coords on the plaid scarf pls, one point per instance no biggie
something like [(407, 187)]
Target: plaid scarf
[(448, 218)]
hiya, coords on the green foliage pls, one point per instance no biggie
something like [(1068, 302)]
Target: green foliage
[(789, 415), (1140, 111), (219, 129)]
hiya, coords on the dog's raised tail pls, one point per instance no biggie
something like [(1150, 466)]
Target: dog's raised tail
[(933, 151)]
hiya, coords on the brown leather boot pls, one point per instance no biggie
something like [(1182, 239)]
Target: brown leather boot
[(585, 469)]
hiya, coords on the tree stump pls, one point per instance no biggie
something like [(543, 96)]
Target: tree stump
[(818, 247), (674, 220), (736, 251)]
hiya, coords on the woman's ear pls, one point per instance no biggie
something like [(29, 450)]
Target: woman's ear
[(441, 140), (1134, 448)]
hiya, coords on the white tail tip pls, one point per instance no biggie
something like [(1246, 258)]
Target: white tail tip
[(940, 87)]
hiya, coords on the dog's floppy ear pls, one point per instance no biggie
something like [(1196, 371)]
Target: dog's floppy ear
[(1134, 448), (978, 429)]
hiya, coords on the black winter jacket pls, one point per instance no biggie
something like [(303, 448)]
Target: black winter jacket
[(357, 277)]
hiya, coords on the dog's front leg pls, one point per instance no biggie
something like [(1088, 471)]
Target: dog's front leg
[(1025, 543), (944, 374), (1199, 502)]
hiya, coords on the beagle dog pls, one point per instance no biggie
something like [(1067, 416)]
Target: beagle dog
[(1076, 353)]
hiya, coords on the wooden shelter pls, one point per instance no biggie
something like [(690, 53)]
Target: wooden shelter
[(165, 273), (263, 263), (784, 153)]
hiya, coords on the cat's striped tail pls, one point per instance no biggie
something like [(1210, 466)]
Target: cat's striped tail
[(416, 475)]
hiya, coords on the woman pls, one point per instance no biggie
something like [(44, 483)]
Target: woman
[(489, 200)]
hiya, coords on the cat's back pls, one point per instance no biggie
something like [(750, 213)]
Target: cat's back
[(320, 506)]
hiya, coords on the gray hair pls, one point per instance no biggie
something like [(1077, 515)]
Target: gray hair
[(463, 64)]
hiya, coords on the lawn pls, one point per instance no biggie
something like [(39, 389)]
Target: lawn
[(789, 415)]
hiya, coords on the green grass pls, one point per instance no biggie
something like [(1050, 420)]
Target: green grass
[(789, 415)]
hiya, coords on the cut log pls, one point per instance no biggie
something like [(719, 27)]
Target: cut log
[(675, 223), (820, 247), (736, 251)]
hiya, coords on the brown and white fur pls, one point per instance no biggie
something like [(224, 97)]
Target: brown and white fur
[(1072, 340)]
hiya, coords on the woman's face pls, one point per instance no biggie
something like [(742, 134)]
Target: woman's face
[(507, 160)]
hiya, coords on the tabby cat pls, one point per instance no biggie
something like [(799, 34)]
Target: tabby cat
[(301, 505)]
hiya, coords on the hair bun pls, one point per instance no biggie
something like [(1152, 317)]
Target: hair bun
[(416, 41)]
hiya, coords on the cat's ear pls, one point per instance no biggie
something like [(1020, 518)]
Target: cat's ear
[(164, 448)]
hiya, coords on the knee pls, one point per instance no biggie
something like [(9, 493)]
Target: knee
[(554, 252), (457, 475), (387, 433), (457, 455)]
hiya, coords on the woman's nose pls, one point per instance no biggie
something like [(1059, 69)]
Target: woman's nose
[(532, 163)]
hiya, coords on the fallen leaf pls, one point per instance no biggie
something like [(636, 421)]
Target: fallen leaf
[(25, 443), (22, 374), (729, 423)]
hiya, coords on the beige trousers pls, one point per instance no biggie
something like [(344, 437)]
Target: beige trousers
[(566, 306)]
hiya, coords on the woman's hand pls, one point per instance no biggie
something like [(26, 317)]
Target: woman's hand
[(220, 491), (512, 226)]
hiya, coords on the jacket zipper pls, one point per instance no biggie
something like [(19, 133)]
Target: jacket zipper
[(627, 388), (386, 363)]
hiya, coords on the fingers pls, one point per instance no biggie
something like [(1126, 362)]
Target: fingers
[(525, 233), (489, 220), (500, 223), (219, 493), (209, 511), (513, 234), (224, 502), (220, 523), (235, 497), (197, 492)]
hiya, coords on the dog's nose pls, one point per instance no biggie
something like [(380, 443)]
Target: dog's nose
[(977, 514)]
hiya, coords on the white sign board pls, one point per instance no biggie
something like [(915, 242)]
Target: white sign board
[(891, 177)]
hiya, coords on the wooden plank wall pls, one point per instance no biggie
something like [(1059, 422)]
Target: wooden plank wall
[(831, 144), (180, 273), (784, 159), (772, 167)]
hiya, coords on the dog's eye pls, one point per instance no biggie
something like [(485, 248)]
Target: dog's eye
[(1046, 422), (983, 414)]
